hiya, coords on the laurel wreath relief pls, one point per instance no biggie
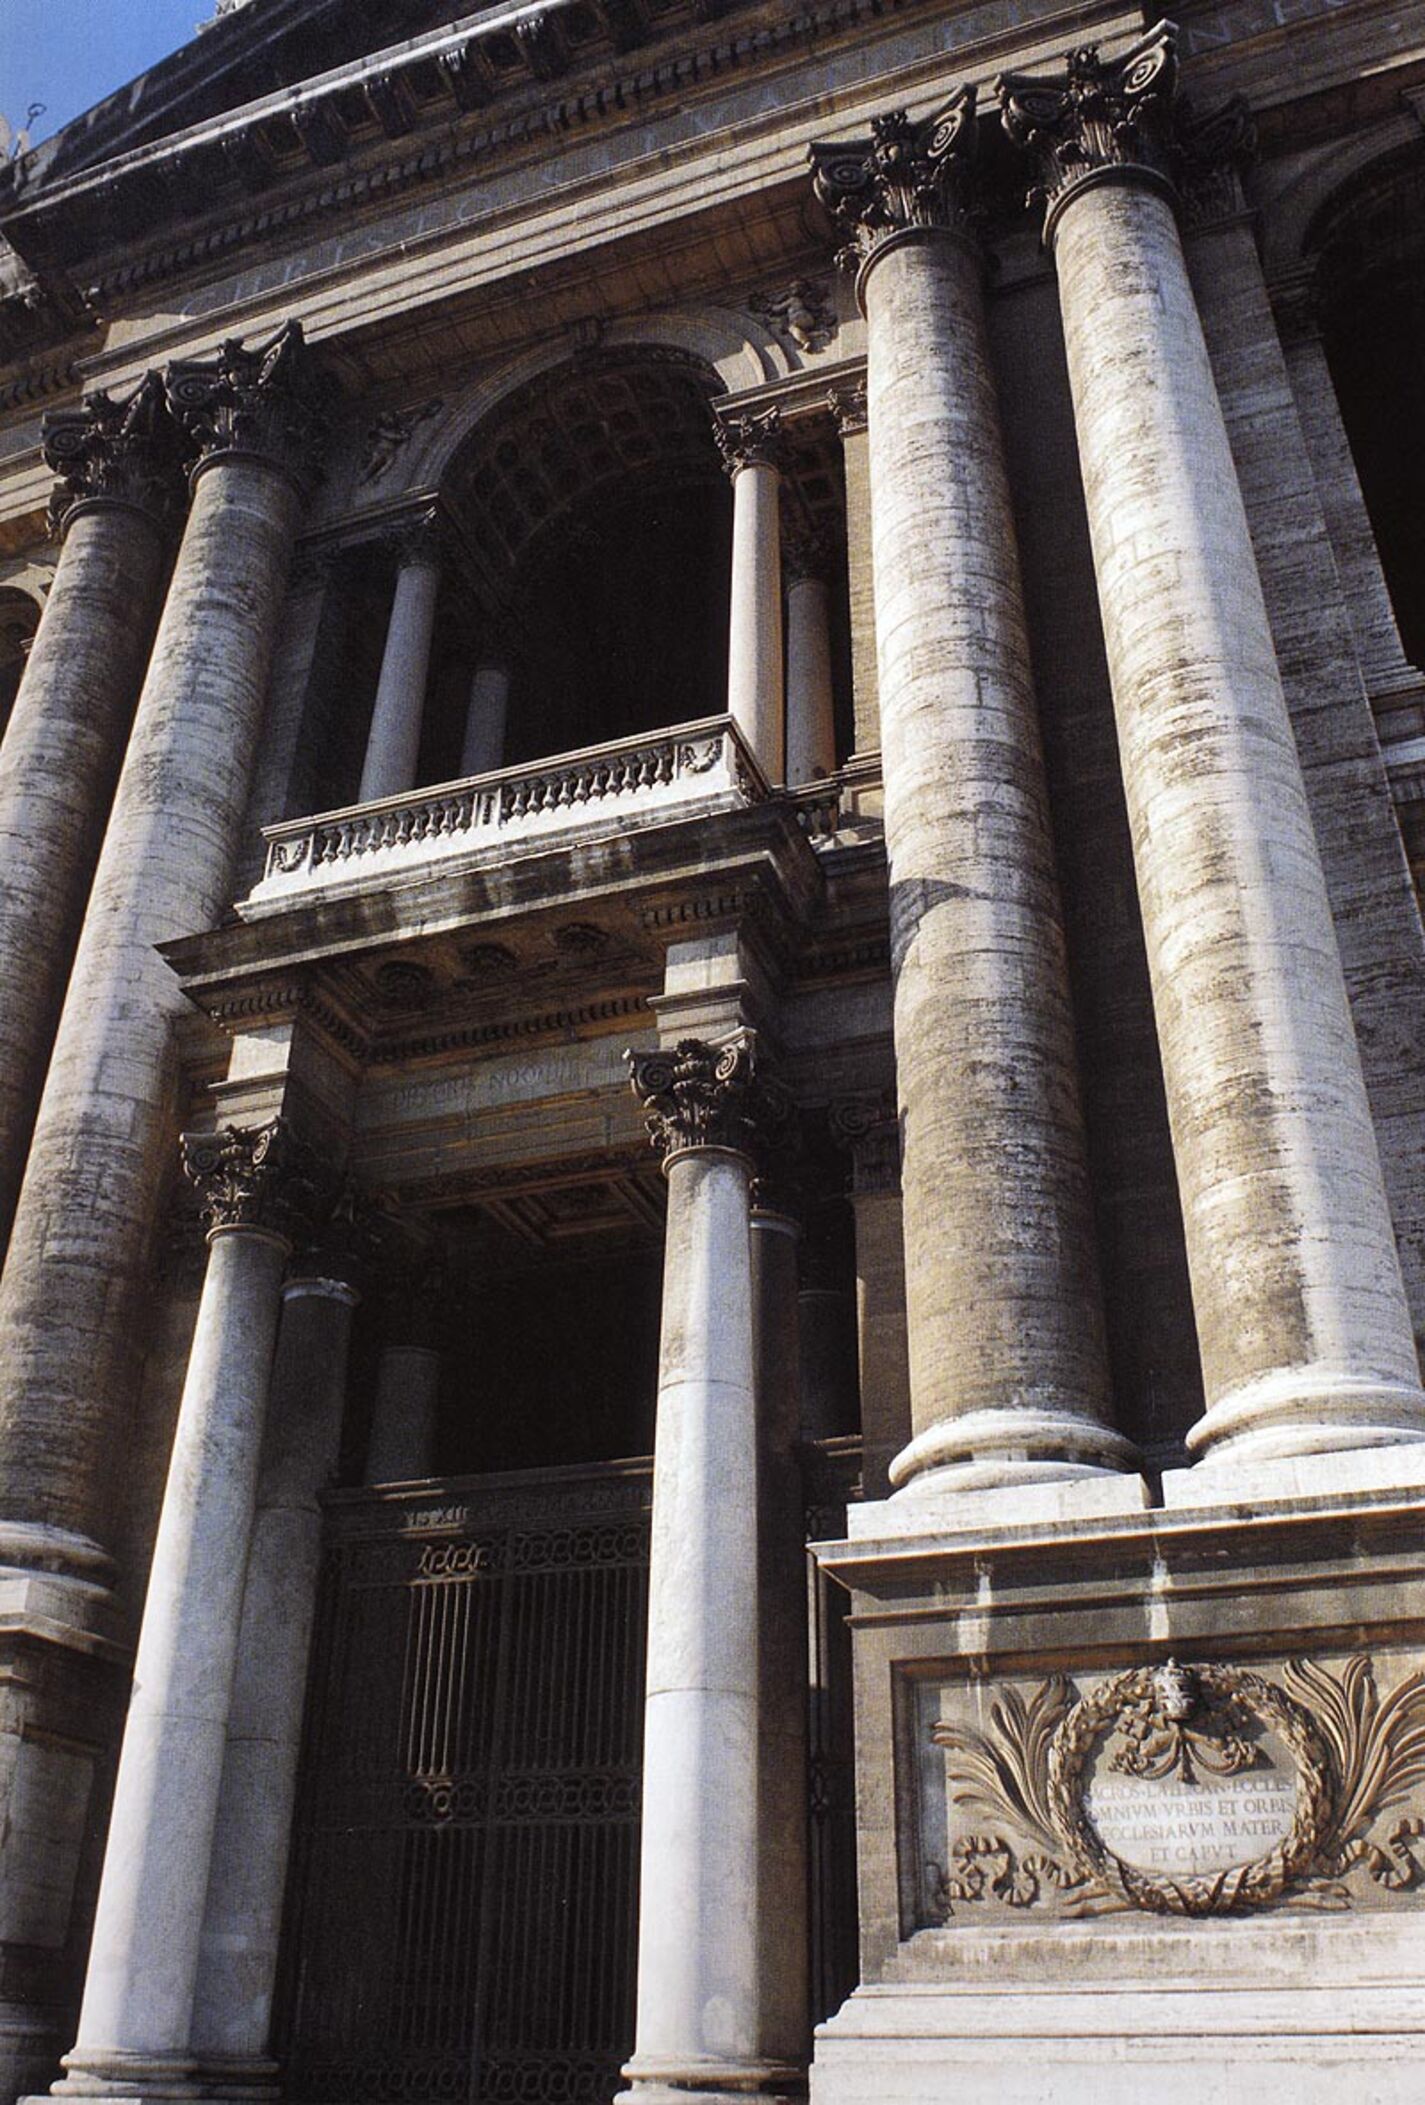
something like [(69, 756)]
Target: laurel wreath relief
[(1356, 1757)]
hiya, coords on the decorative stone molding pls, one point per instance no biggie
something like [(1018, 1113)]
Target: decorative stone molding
[(1097, 120), (270, 402), (705, 1095), (749, 440), (1315, 1761), (116, 450), (259, 1178), (909, 180)]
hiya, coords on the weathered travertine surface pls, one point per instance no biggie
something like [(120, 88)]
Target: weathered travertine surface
[(138, 1996), (754, 645), (1007, 1359), (1301, 1313), (58, 765), (394, 743), (69, 1335), (237, 1965), (698, 1957)]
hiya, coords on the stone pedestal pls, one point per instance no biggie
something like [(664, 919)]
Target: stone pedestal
[(750, 447), (119, 498), (484, 748), (394, 742), (1301, 1312), (242, 1920), (700, 2027), (135, 2028), (1007, 1354)]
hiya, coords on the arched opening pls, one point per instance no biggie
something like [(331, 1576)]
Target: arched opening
[(1371, 246)]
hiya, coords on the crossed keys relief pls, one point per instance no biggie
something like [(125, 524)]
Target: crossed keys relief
[(1151, 1790)]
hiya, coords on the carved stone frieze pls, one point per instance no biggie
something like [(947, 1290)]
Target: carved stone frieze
[(909, 179), (704, 1095), (1096, 118), (749, 439), (116, 450), (261, 1178), (1194, 1790), (271, 402)]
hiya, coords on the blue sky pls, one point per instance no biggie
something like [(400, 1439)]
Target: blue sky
[(70, 54)]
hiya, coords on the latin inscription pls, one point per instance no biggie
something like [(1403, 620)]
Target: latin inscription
[(1192, 1829)]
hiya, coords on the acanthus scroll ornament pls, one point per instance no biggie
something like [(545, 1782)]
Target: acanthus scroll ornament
[(704, 1094), (261, 1178), (122, 449), (270, 402), (1353, 1758), (749, 439), (909, 176)]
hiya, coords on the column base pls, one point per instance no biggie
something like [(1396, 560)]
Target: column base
[(115, 2074), (1308, 1411), (987, 1450), (660, 2081), (239, 2076)]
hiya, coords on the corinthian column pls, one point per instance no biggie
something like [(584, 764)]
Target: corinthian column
[(115, 506), (1007, 1355), (750, 446), (394, 743), (136, 2020), (69, 1329), (1301, 1313), (700, 2017)]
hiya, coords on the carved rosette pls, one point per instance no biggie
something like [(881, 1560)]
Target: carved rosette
[(116, 450), (270, 403), (261, 1179), (749, 439), (704, 1095), (908, 180), (1096, 120)]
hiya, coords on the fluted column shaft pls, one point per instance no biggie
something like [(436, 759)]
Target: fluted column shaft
[(699, 2030), (136, 2018), (237, 1969), (755, 693), (1007, 1353), (394, 742), (64, 741), (1301, 1312), (69, 1335)]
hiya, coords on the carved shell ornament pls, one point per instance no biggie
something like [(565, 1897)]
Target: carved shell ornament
[(1350, 1758)]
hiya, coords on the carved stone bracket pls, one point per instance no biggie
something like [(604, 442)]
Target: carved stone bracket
[(270, 402), (703, 1095), (1096, 119), (907, 179), (750, 439), (116, 450), (260, 1178), (1344, 1758)]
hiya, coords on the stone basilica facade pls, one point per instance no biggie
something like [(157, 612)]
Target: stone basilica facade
[(712, 1058)]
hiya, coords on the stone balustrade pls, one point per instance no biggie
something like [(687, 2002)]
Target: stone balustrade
[(687, 766)]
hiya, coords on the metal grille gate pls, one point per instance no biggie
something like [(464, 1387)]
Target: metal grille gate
[(463, 1904)]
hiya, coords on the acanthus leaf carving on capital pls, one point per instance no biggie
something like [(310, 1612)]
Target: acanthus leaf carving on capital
[(116, 450), (418, 537), (1094, 117), (749, 439), (271, 402), (1213, 152), (868, 1128), (260, 1178), (909, 176), (847, 408), (346, 1243), (806, 554), (707, 1094)]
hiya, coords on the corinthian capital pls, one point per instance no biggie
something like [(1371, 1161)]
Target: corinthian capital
[(906, 178), (1096, 118), (116, 450), (270, 402), (257, 1177), (749, 439), (702, 1095)]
